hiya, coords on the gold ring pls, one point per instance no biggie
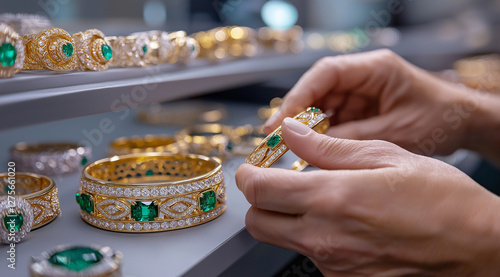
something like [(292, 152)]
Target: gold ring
[(51, 49), (76, 261), (146, 144), (184, 48), (52, 158), (11, 51), (273, 146), (158, 45), (206, 139), (151, 192), (92, 49), (28, 201)]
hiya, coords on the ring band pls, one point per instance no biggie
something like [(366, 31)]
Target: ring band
[(146, 144), (151, 192), (273, 146), (76, 260), (35, 200), (206, 139), (92, 49), (50, 158), (11, 51)]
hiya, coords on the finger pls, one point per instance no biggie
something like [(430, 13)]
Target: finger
[(333, 75), (365, 129), (274, 228), (334, 153), (275, 189)]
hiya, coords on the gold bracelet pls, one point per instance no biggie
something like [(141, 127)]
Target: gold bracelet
[(273, 146), (52, 158), (27, 201), (206, 139), (151, 192), (92, 49), (11, 51), (146, 144), (77, 261), (52, 49)]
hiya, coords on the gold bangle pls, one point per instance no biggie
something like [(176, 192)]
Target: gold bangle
[(52, 49), (28, 201), (11, 51), (77, 261), (273, 146), (182, 113), (206, 139), (92, 49), (52, 158), (146, 144), (128, 51), (151, 192)]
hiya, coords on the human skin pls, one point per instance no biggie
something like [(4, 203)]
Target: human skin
[(374, 208)]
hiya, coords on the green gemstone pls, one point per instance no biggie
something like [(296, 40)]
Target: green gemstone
[(313, 109), (107, 52), (76, 258), (150, 173), (208, 200), (67, 49), (13, 221), (273, 141), (144, 49), (78, 198), (86, 202), (8, 55), (144, 211), (84, 161)]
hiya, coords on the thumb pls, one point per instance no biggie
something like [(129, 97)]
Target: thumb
[(326, 152)]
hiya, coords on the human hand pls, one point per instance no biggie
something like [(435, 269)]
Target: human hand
[(378, 95), (374, 210)]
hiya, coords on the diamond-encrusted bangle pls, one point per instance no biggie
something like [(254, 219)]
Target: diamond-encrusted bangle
[(50, 158), (28, 201), (151, 192), (77, 260), (92, 49), (185, 48), (146, 144), (51, 49), (206, 139), (273, 146), (158, 46), (11, 51)]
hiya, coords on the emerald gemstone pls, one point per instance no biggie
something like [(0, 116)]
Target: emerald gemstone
[(67, 49), (13, 221), (150, 173), (84, 161), (273, 141), (144, 211), (313, 109), (144, 49), (8, 55), (107, 52), (86, 202), (76, 258), (208, 200)]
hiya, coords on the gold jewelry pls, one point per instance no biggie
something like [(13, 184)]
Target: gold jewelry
[(26, 23), (92, 49), (51, 49), (11, 51), (127, 51), (151, 192), (182, 113), (206, 139), (76, 261), (245, 138), (267, 112), (50, 158), (185, 48), (273, 146), (282, 40), (479, 72), (28, 201), (159, 48), (146, 144)]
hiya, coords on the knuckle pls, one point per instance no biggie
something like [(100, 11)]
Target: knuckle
[(387, 59)]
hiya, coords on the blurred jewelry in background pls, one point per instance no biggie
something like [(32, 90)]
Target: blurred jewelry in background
[(206, 139), (51, 158), (26, 24), (288, 40), (144, 144), (267, 111), (479, 72), (11, 51), (182, 113)]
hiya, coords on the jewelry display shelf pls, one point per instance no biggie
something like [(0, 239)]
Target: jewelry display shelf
[(205, 250), (33, 97)]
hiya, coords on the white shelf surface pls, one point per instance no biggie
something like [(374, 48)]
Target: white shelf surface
[(33, 97)]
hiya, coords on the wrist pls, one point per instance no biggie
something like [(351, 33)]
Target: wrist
[(482, 130)]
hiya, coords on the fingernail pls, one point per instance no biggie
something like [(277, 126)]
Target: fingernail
[(296, 127)]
